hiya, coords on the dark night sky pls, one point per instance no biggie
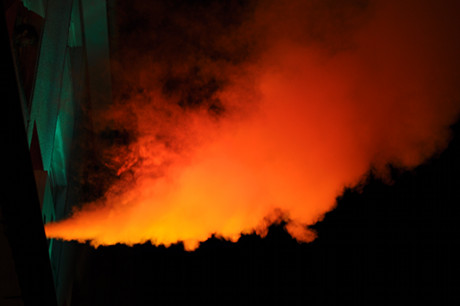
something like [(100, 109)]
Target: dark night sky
[(388, 242)]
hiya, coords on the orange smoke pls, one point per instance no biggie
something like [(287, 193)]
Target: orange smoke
[(316, 120)]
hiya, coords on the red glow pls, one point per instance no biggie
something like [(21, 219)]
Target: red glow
[(317, 123)]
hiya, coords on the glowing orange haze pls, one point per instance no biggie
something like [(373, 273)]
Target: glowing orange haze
[(317, 123)]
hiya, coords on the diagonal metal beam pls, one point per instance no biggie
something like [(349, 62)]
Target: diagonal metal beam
[(46, 92)]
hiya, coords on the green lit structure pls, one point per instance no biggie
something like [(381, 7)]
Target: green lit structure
[(61, 54)]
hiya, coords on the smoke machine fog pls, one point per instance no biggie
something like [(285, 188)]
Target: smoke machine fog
[(241, 115)]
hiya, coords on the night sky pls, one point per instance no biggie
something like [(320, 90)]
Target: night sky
[(342, 116)]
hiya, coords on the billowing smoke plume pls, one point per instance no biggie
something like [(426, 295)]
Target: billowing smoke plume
[(231, 115)]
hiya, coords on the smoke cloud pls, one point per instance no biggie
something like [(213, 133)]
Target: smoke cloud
[(231, 115)]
